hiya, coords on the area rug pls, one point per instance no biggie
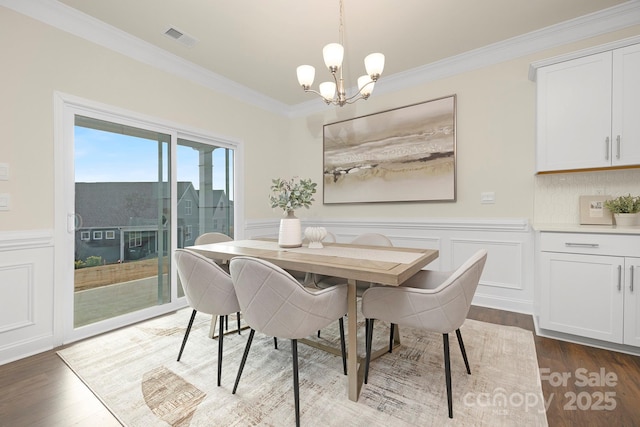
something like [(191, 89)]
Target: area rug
[(134, 372)]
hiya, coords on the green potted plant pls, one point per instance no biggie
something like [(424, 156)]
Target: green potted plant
[(290, 195), (625, 209)]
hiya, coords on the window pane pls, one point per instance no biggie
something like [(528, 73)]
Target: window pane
[(122, 193)]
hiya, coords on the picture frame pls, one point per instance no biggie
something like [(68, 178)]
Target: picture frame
[(593, 211), (406, 154)]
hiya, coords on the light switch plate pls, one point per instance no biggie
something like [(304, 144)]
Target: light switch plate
[(4, 202), (487, 197), (4, 171)]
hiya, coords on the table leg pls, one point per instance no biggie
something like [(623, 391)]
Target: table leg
[(352, 333)]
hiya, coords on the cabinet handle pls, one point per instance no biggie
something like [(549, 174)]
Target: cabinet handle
[(619, 277), (606, 149), (631, 281), (618, 147), (582, 245)]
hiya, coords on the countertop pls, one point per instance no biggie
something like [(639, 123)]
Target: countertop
[(576, 228)]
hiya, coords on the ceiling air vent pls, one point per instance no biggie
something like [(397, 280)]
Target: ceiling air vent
[(180, 36)]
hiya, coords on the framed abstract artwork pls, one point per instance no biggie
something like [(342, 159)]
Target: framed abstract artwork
[(406, 154)]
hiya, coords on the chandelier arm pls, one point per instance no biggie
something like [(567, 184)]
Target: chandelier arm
[(351, 99), (327, 101)]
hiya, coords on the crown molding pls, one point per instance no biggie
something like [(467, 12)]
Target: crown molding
[(65, 18), (533, 67)]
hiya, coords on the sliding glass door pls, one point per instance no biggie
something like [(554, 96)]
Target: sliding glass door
[(123, 216), (130, 190)]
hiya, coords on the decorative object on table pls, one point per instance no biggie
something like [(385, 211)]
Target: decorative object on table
[(290, 195), (335, 92), (402, 155), (593, 210), (625, 209), (315, 235)]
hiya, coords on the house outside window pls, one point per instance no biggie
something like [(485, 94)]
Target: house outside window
[(187, 208), (85, 235), (97, 235), (110, 235)]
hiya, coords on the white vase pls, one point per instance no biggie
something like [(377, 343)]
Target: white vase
[(290, 235), (315, 235), (626, 219)]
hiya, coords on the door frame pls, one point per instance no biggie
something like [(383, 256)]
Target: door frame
[(66, 107)]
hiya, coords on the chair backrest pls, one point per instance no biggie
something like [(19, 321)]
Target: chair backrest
[(464, 281), (206, 238), (373, 239), (207, 287), (441, 309), (456, 293), (276, 304)]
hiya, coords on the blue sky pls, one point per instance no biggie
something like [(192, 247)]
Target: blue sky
[(102, 156)]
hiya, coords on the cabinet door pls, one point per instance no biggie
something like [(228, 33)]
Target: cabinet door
[(626, 106), (632, 302), (574, 114), (582, 295)]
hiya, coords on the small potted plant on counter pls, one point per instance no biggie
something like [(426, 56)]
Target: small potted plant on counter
[(625, 209)]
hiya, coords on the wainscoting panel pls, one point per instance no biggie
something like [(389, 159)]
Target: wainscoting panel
[(16, 312), (26, 286), (503, 268), (507, 281)]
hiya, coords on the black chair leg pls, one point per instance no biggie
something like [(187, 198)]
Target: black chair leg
[(220, 339), (368, 339), (391, 333), (318, 333), (238, 316), (296, 391), (464, 353), (275, 343), (343, 348), (447, 372), (186, 333), (244, 359)]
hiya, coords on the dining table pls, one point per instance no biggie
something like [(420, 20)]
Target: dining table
[(389, 266)]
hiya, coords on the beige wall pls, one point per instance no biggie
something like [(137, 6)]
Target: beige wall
[(495, 126), (495, 140), (39, 59)]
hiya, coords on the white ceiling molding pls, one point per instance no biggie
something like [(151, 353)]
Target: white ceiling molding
[(67, 19), (70, 20), (533, 67)]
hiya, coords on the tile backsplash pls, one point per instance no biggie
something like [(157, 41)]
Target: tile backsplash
[(557, 195)]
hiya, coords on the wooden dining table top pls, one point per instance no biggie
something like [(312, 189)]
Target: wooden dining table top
[(379, 264)]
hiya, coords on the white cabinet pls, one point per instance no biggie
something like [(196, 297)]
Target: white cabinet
[(589, 287), (587, 110)]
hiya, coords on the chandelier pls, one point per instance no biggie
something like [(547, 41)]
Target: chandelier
[(333, 92)]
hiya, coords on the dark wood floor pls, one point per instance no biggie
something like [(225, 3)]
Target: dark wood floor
[(42, 391)]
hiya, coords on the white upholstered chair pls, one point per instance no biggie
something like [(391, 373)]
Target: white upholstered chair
[(208, 289), (215, 237), (431, 300), (276, 304)]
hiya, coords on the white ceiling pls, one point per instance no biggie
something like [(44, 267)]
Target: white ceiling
[(259, 43)]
